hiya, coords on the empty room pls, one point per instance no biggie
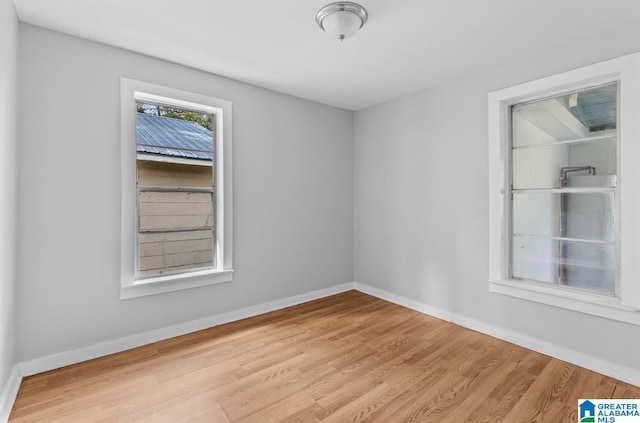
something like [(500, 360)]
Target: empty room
[(304, 211)]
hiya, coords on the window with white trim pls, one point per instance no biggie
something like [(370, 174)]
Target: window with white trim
[(176, 189), (563, 190)]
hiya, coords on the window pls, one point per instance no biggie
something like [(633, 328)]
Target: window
[(563, 189), (563, 201), (176, 189)]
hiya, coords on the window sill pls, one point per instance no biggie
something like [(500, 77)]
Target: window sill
[(597, 305), (170, 283)]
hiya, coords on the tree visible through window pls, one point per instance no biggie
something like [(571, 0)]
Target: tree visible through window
[(175, 183)]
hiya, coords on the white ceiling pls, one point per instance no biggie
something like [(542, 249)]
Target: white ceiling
[(406, 45)]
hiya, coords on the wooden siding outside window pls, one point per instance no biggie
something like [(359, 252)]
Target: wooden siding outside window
[(175, 229)]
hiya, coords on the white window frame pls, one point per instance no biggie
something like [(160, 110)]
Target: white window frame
[(132, 91), (626, 306)]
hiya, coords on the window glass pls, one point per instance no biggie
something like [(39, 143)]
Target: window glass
[(175, 182), (564, 178), (584, 215), (588, 266)]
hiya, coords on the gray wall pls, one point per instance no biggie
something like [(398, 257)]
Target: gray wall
[(292, 207), (8, 173), (416, 202), (421, 202)]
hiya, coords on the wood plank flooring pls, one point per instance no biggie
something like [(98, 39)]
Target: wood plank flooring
[(346, 358)]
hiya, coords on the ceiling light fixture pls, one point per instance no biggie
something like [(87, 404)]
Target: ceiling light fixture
[(342, 19)]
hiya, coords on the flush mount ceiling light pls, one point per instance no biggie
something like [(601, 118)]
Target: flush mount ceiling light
[(341, 19)]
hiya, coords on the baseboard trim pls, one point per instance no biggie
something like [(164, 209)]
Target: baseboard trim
[(9, 394), (55, 361), (79, 355), (598, 365)]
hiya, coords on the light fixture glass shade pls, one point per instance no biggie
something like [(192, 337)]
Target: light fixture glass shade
[(341, 24), (341, 19)]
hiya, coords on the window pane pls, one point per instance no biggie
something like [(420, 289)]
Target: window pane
[(173, 252), (175, 232), (176, 215), (582, 114), (544, 166), (587, 216), (173, 211), (564, 142), (153, 173), (580, 265)]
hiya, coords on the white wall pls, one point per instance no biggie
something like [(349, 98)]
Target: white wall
[(8, 173), (421, 203), (292, 206)]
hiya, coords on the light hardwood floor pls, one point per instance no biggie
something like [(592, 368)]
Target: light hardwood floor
[(345, 358)]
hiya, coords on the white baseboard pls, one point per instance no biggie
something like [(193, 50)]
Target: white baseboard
[(9, 393), (578, 358), (67, 358), (105, 348)]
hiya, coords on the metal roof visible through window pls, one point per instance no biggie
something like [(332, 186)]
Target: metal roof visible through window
[(166, 136)]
